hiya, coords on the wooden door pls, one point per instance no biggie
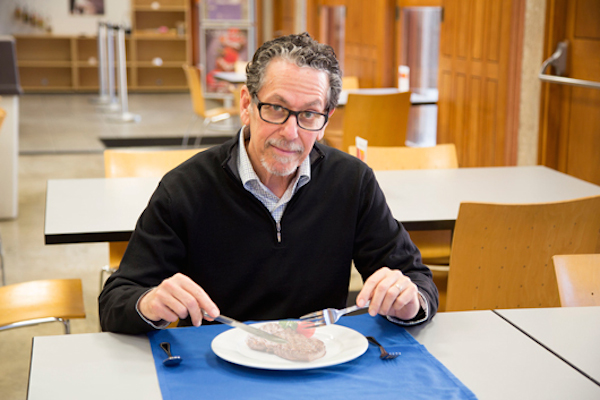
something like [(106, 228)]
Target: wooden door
[(570, 116), (478, 79)]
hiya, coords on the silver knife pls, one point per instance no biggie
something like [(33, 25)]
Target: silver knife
[(255, 331)]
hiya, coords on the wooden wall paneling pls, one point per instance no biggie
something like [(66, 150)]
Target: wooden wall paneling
[(583, 33), (570, 121), (551, 109)]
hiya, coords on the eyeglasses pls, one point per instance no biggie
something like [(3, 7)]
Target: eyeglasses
[(276, 114)]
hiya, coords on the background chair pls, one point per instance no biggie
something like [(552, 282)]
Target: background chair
[(350, 82), (208, 116), (36, 302), (434, 245), (382, 119), (140, 163), (502, 253), (578, 278)]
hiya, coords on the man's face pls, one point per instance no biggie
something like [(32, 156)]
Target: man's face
[(278, 150)]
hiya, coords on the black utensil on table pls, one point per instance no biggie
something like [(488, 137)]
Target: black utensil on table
[(171, 360)]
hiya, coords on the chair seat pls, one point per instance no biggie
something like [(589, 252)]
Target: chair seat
[(53, 298), (434, 246)]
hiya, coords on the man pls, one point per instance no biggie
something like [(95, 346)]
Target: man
[(266, 225)]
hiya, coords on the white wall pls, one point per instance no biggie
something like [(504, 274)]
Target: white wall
[(62, 22)]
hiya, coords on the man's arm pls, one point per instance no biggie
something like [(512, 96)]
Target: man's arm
[(396, 281)]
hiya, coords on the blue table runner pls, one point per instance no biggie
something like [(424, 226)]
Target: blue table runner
[(416, 374)]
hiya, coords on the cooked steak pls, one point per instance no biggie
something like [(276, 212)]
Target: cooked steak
[(298, 347)]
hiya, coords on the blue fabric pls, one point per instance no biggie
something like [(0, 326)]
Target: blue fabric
[(416, 374)]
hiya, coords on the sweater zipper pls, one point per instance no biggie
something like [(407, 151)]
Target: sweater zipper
[(278, 224)]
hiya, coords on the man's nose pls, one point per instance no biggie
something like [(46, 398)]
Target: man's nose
[(290, 128)]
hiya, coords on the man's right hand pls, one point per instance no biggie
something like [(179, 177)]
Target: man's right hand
[(176, 298)]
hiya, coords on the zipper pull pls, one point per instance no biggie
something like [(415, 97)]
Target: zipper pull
[(278, 232)]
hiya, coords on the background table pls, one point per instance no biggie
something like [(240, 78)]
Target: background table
[(572, 333), (106, 209), (430, 199), (497, 361), (493, 358), (95, 210)]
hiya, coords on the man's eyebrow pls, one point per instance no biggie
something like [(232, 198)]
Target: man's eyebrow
[(280, 99)]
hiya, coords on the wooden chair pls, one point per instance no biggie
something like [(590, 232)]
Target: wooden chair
[(578, 278), (208, 116), (2, 276), (137, 163), (434, 245), (350, 82), (36, 302), (382, 119), (502, 253)]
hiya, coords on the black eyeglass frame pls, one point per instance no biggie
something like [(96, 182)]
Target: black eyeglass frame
[(260, 105)]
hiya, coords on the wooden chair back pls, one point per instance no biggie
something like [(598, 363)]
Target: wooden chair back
[(382, 119), (121, 163), (502, 253), (578, 277), (2, 116), (402, 157), (139, 163), (192, 74), (350, 82), (26, 303)]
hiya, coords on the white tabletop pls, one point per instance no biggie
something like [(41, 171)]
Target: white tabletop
[(231, 77), (497, 361), (490, 356), (96, 210), (430, 199), (572, 333), (428, 96), (93, 366)]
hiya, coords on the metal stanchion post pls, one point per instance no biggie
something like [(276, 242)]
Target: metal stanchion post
[(113, 104), (103, 97), (125, 116)]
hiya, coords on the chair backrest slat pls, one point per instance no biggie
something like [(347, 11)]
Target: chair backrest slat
[(384, 158), (382, 119)]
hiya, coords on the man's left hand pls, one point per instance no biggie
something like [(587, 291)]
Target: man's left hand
[(392, 293)]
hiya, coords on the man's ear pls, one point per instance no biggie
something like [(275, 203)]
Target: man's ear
[(245, 104), (322, 133)]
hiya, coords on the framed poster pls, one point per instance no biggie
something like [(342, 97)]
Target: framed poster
[(87, 7), (222, 48), (227, 10)]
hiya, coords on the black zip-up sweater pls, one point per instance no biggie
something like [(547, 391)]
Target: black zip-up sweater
[(201, 222)]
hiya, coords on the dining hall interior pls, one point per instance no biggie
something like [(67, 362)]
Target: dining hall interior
[(487, 107)]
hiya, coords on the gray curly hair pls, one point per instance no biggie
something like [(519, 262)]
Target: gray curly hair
[(299, 49)]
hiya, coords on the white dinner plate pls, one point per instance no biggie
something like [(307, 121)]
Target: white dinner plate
[(342, 345)]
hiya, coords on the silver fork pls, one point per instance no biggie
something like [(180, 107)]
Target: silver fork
[(385, 355), (329, 316)]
